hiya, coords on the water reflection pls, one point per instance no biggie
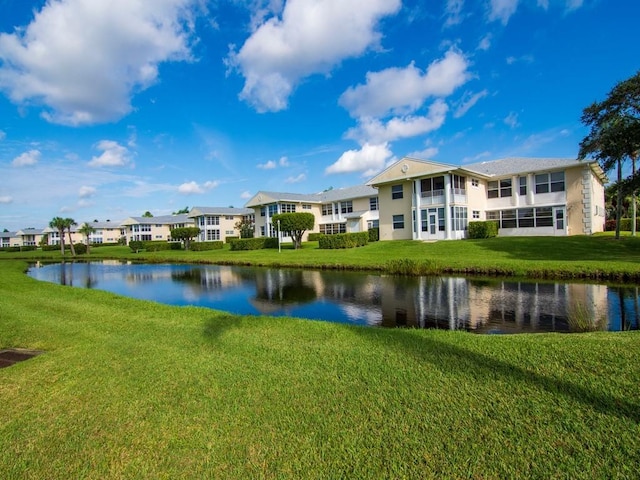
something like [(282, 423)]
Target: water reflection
[(482, 306)]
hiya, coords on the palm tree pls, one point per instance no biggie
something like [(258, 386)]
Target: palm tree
[(59, 224), (87, 230), (68, 223)]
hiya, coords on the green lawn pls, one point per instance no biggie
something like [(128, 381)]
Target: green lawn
[(133, 389), (600, 257)]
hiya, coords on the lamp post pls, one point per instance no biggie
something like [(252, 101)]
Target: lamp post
[(279, 236)]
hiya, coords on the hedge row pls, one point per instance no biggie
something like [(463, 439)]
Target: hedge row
[(205, 246), (486, 229), (137, 245), (27, 248), (625, 225), (343, 240), (254, 243)]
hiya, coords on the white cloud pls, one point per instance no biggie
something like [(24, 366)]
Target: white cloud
[(468, 101), (369, 159), (426, 154), (86, 192), (84, 59), (246, 195), (485, 42), (574, 4), (404, 90), (297, 179), (477, 157), (270, 165), (502, 10), (27, 159), (113, 155), (283, 162), (3, 135), (193, 188), (310, 37), (512, 120), (453, 12), (371, 130), (543, 4), (6, 199)]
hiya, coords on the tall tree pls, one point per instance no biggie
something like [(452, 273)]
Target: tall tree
[(182, 210), (147, 214), (294, 224), (614, 134), (59, 224), (68, 223), (87, 230), (245, 227)]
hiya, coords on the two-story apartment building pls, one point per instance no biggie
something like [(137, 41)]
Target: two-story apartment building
[(218, 223), (153, 228), (341, 210), (424, 200)]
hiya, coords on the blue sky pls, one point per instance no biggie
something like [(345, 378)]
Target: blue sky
[(109, 108)]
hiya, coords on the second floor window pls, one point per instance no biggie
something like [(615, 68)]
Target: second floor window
[(346, 207), (550, 182), (499, 188), (373, 203), (396, 192)]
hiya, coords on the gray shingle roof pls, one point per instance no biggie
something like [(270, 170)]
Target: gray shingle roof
[(159, 220), (333, 195), (195, 211), (517, 165)]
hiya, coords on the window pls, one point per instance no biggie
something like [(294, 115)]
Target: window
[(288, 208), (306, 206), (327, 209), (525, 217), (145, 238), (229, 232), (508, 219), (432, 187), (228, 217), (523, 185), (373, 224), (398, 222), (459, 217), (501, 188), (145, 228), (273, 210), (475, 182), (396, 192), (475, 214), (553, 182), (346, 207), (373, 203), (213, 235), (459, 183), (263, 212), (544, 217), (333, 228)]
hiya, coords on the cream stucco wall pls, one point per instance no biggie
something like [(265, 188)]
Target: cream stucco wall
[(390, 207)]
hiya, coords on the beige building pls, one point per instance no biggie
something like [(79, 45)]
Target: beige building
[(154, 228), (341, 210), (218, 223), (424, 200)]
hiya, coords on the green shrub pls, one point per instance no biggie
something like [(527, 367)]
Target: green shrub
[(136, 245), (205, 246), (374, 234), (80, 248), (270, 242), (344, 240), (248, 244), (486, 229), (410, 267), (161, 245), (231, 239), (50, 248)]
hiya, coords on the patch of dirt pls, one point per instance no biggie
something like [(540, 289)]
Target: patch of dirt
[(11, 356)]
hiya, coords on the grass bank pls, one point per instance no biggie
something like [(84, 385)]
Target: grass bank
[(598, 257), (132, 389)]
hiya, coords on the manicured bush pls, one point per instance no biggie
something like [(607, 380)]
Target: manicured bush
[(248, 244), (205, 246), (374, 234), (344, 240), (80, 248), (314, 237), (136, 245), (50, 248), (160, 246), (271, 242), (486, 229), (231, 239)]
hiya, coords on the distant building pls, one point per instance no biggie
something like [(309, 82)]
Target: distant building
[(218, 223), (153, 228), (341, 210)]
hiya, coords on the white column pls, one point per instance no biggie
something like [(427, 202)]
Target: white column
[(531, 185), (515, 191), (448, 221), (417, 232)]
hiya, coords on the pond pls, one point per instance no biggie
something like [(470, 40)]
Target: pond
[(475, 305)]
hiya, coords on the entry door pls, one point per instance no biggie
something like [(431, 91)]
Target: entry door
[(433, 223), (559, 221)]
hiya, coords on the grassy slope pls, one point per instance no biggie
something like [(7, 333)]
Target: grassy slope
[(598, 257), (131, 389)]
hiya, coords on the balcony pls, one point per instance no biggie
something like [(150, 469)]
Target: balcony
[(436, 197)]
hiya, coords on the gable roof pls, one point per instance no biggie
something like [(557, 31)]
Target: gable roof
[(199, 211), (159, 220), (332, 195)]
